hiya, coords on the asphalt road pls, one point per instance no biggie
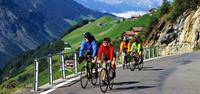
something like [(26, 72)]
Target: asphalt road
[(178, 74)]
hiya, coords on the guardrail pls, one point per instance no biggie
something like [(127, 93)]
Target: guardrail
[(148, 53), (50, 62)]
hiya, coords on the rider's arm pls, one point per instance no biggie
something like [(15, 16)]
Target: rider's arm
[(129, 47), (82, 48), (138, 47), (121, 47), (111, 53), (132, 47), (94, 47), (100, 52)]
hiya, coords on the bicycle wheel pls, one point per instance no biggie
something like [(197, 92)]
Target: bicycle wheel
[(127, 64), (140, 65), (103, 82), (133, 65), (111, 79), (94, 76), (84, 77)]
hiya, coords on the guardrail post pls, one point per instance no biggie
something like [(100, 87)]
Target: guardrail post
[(50, 70), (153, 52), (75, 63), (149, 53), (157, 52), (63, 66), (144, 53), (36, 70)]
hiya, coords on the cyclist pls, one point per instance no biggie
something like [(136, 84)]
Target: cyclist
[(109, 55), (125, 47), (90, 45), (137, 47)]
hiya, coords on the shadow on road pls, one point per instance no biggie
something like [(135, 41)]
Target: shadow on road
[(151, 69), (126, 83), (133, 87)]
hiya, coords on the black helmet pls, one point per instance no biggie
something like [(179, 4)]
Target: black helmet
[(107, 39), (87, 34)]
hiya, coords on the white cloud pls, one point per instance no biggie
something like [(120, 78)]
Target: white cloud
[(129, 14), (111, 2), (147, 3)]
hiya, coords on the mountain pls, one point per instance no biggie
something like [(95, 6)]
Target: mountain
[(120, 6), (25, 24)]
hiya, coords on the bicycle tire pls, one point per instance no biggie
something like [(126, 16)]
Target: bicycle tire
[(84, 77), (140, 66), (93, 76), (133, 65), (103, 83), (111, 79)]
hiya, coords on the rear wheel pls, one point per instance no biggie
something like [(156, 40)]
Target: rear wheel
[(84, 77), (103, 82)]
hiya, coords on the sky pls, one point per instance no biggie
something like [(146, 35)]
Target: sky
[(121, 7)]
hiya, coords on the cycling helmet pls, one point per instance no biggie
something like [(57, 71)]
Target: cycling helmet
[(136, 40), (87, 34), (107, 39), (125, 38)]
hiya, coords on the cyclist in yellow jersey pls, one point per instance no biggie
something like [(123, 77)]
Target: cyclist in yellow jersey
[(137, 47)]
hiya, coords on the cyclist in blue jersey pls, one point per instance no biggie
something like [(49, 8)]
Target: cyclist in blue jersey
[(89, 45)]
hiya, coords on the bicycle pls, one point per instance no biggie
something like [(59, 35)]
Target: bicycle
[(107, 74), (137, 61), (126, 60), (88, 74)]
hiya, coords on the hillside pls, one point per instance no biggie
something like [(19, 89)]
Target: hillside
[(179, 25), (26, 24), (111, 27)]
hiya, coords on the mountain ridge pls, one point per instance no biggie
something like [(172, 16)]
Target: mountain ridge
[(26, 24)]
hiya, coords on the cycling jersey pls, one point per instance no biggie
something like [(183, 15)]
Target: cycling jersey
[(136, 47), (108, 52), (89, 46), (125, 46)]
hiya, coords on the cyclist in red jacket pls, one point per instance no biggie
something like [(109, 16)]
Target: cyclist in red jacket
[(109, 55)]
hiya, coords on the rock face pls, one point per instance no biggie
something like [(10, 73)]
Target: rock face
[(181, 36), (25, 24)]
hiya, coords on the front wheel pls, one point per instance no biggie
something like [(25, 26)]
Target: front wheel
[(111, 79), (103, 80), (84, 77), (94, 76), (140, 65), (133, 65)]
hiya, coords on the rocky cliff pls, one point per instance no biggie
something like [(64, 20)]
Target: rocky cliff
[(181, 36)]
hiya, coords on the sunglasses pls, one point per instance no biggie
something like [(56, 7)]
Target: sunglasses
[(105, 42)]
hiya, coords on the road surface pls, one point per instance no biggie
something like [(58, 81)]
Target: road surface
[(177, 74)]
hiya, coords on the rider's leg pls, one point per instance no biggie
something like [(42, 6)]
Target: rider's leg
[(113, 66), (124, 59), (104, 72), (94, 65), (140, 57)]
